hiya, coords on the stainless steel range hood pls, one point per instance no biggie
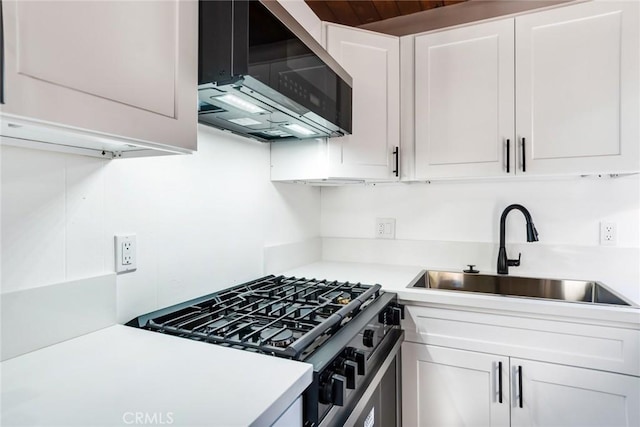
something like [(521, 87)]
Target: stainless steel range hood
[(262, 75)]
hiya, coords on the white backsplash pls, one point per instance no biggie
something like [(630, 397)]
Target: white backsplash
[(202, 220), (451, 224), (279, 258), (615, 267), (37, 317)]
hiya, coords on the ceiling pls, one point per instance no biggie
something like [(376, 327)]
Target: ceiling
[(359, 12)]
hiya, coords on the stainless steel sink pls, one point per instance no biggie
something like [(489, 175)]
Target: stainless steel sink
[(527, 287)]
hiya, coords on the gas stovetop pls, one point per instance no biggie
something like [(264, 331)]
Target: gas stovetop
[(345, 330), (284, 316)]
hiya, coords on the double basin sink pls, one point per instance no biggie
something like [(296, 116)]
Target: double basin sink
[(526, 287)]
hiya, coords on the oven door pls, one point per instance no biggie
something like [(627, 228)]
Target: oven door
[(380, 402)]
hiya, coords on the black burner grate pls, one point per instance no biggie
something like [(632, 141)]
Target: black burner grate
[(283, 316)]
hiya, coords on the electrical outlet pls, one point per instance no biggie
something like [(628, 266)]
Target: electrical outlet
[(125, 246), (608, 234), (127, 253), (385, 228)]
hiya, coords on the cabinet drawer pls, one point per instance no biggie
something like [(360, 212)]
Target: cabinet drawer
[(593, 346)]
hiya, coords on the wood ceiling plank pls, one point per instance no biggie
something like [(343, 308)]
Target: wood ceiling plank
[(344, 12), (361, 12), (407, 7), (322, 11), (365, 10), (387, 9), (431, 4)]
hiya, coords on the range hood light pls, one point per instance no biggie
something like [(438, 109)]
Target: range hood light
[(300, 130), (276, 132), (244, 121), (240, 104)]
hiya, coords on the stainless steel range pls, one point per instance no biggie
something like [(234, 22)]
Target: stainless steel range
[(349, 332)]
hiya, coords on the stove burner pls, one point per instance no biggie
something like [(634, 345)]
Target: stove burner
[(220, 327), (343, 300), (281, 339)]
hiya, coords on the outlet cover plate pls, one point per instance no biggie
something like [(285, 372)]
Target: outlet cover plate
[(385, 228), (608, 234), (125, 253)]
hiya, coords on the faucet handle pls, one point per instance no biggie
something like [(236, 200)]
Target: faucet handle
[(515, 262)]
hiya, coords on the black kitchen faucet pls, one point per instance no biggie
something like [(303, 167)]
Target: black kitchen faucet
[(532, 236)]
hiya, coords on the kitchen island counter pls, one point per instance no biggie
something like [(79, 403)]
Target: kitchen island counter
[(126, 376)]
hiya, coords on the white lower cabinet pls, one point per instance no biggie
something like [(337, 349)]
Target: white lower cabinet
[(566, 396), (463, 366), (449, 387), (452, 387)]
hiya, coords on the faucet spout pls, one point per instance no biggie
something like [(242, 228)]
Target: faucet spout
[(532, 236)]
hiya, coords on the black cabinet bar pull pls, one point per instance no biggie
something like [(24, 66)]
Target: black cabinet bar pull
[(520, 386), (396, 153), (500, 381), (508, 159), (524, 157)]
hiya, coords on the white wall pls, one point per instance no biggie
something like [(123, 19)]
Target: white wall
[(201, 221), (450, 224)]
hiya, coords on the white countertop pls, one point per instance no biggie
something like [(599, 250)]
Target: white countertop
[(394, 278), (109, 376)]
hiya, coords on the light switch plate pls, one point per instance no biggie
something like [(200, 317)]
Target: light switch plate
[(125, 251)]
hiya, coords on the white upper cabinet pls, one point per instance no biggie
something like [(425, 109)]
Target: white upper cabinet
[(373, 60), (102, 74), (575, 70), (464, 101), (369, 153), (577, 103)]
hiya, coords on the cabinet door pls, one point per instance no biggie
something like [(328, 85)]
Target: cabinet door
[(564, 396), (577, 89), (446, 387), (373, 60), (121, 68), (465, 101)]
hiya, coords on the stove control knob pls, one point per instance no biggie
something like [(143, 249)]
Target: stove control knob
[(391, 316), (367, 337), (359, 357), (350, 372), (335, 390), (361, 360)]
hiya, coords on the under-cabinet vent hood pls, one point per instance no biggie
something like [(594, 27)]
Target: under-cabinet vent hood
[(262, 75)]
